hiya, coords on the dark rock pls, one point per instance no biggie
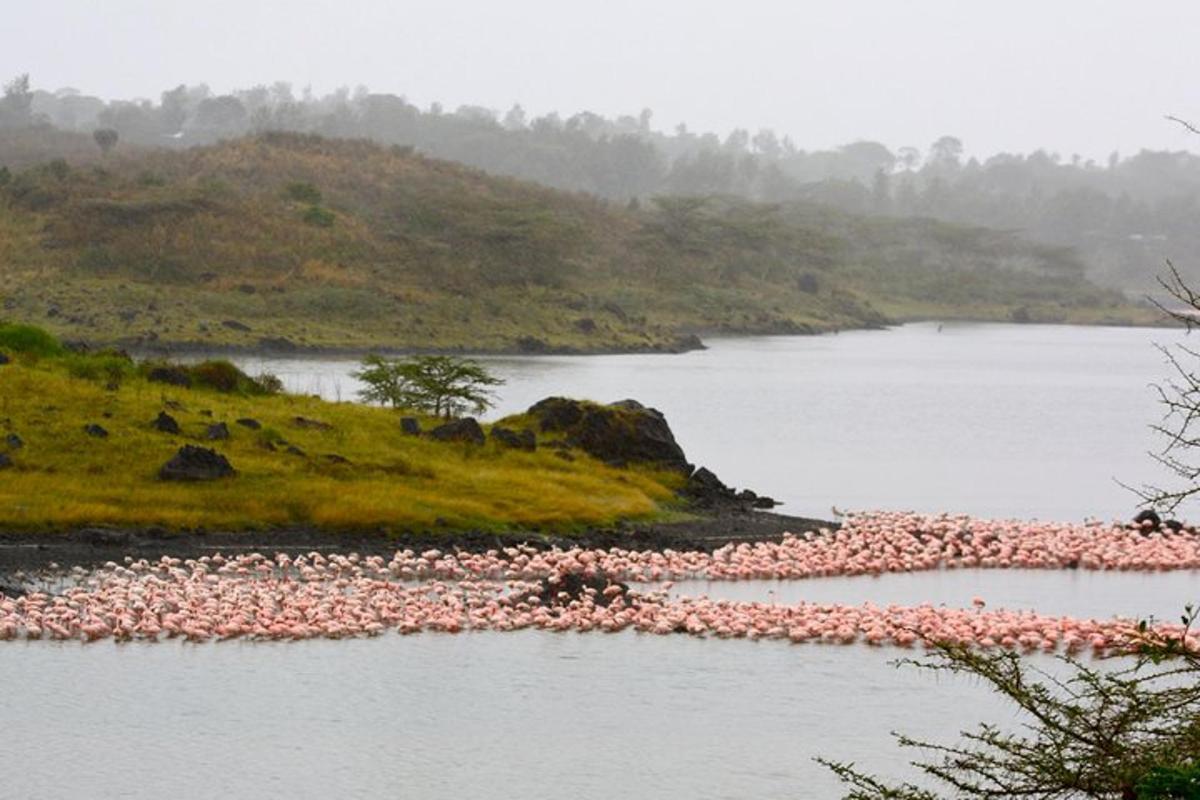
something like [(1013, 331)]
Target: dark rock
[(205, 412), (175, 376), (166, 423), (4, 359), (532, 344), (92, 429), (277, 344), (5, 461), (11, 590), (311, 424), (686, 343), (706, 488), (557, 413), (334, 458), (459, 430), (616, 434), (250, 423), (566, 588), (1172, 525), (234, 325), (14, 442), (518, 440), (194, 463), (585, 325), (764, 502), (808, 283), (103, 537), (410, 426), (1147, 519), (295, 451), (217, 431)]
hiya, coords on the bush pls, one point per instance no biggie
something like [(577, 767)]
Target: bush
[(224, 377), (303, 192), (321, 217), (29, 340)]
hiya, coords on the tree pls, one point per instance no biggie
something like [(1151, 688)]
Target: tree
[(106, 139), (439, 385), (16, 107), (1127, 733)]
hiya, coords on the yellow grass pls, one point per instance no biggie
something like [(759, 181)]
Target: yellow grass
[(63, 478)]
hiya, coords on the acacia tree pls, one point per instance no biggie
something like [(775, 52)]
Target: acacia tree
[(1126, 733), (439, 385), (106, 139)]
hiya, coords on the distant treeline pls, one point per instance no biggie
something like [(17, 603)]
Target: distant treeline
[(1124, 216)]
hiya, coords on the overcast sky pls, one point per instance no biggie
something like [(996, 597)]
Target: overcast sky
[(1072, 76)]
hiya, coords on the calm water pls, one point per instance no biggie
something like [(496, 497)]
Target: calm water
[(994, 420), (997, 420)]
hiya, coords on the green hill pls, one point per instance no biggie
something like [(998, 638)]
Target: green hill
[(288, 240)]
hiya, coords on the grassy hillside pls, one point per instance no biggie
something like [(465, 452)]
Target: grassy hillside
[(311, 463), (300, 241)]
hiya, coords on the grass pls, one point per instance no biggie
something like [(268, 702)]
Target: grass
[(62, 477), (351, 245)]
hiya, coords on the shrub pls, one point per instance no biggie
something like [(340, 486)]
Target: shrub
[(224, 377), (269, 383), (303, 192), (320, 217), (29, 340)]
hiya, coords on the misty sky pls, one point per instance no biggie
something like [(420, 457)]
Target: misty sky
[(1072, 76)]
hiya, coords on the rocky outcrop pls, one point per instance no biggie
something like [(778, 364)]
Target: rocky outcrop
[(165, 423), (460, 430), (217, 431), (619, 433), (517, 440), (194, 463)]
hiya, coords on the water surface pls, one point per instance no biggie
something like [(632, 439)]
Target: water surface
[(994, 420)]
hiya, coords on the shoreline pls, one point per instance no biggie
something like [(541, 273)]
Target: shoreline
[(91, 546)]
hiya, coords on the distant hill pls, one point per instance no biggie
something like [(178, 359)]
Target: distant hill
[(293, 240)]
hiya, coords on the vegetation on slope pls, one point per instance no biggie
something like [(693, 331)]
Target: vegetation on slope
[(311, 463), (290, 240)]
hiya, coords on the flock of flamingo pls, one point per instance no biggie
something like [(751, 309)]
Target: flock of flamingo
[(257, 597)]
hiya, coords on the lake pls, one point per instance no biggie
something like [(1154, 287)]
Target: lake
[(994, 420), (1029, 421)]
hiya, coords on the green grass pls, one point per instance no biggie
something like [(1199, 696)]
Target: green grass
[(62, 477), (347, 244)]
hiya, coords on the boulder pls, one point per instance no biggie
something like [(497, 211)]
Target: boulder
[(217, 431), (92, 429), (11, 589), (166, 423), (618, 433), (1147, 518), (565, 588), (14, 442), (294, 451), (5, 461), (311, 424), (194, 463), (334, 458), (248, 422), (174, 376), (518, 440), (557, 413), (4, 359), (411, 426), (234, 325), (704, 487), (459, 430)]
